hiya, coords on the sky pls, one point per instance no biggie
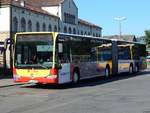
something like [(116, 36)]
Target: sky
[(103, 12)]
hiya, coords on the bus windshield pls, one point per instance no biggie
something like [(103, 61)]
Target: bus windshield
[(33, 51)]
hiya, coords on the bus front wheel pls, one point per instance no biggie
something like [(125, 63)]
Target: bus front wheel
[(131, 69), (136, 68)]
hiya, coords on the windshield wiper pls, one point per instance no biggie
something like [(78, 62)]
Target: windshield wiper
[(42, 66)]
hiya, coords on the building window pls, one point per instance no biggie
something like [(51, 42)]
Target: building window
[(70, 31), (69, 4), (23, 25), (29, 26), (74, 31), (96, 35), (37, 27), (29, 13), (14, 10), (15, 24), (49, 27), (23, 11), (93, 34), (78, 32), (65, 29), (44, 27), (55, 28), (59, 29), (81, 32), (68, 18)]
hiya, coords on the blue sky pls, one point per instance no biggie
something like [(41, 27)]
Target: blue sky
[(103, 12)]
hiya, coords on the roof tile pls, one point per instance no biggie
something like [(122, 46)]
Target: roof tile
[(45, 2), (27, 5)]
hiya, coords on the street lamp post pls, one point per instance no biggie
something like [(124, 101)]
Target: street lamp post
[(120, 19)]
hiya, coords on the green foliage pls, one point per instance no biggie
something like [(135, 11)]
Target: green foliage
[(147, 38)]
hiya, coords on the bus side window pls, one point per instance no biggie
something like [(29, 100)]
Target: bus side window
[(64, 57), (93, 55)]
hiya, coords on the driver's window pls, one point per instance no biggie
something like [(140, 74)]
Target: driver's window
[(64, 56)]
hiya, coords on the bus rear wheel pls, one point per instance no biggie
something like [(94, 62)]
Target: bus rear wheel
[(107, 72), (75, 78)]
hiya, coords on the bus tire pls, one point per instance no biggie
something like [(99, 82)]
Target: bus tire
[(39, 84), (136, 68), (76, 77), (131, 69), (107, 72)]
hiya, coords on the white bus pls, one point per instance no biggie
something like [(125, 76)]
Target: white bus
[(57, 58)]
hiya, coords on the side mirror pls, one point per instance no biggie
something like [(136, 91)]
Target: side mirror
[(58, 66)]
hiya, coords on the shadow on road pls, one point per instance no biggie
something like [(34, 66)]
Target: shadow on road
[(89, 82)]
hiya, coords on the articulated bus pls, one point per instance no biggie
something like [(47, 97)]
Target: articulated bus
[(57, 58)]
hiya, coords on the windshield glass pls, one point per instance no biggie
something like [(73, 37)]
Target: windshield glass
[(34, 51)]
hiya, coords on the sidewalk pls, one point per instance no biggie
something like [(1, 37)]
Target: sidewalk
[(7, 82), (6, 78)]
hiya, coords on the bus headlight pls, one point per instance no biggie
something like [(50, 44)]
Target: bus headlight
[(52, 77)]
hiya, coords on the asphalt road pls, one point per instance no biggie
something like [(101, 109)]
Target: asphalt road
[(119, 94)]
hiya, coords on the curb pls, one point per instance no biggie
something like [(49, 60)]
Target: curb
[(9, 85)]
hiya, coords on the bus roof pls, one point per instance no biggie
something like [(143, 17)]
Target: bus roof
[(104, 45), (59, 33), (87, 36), (126, 45)]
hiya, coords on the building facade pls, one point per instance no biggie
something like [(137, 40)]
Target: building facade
[(44, 15)]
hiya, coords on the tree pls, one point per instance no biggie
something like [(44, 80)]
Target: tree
[(147, 38)]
